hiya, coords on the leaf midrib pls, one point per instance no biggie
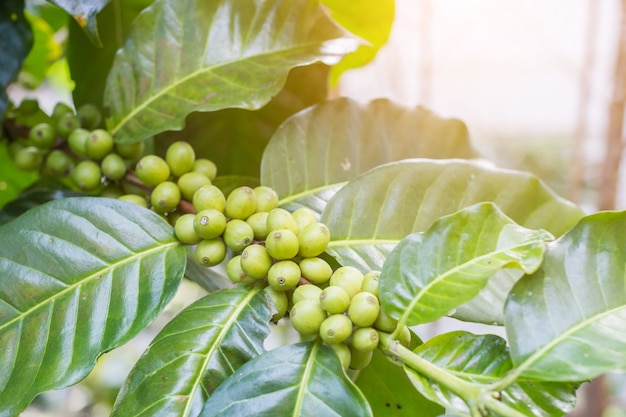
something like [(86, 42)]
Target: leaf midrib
[(306, 376), (88, 278), (308, 192)]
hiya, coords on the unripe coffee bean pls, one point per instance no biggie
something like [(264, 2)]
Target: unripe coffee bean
[(313, 240), (316, 270), (283, 275), (306, 292), (42, 136), (304, 217), (348, 278), (279, 218), (135, 199), (334, 299), (343, 353), (180, 157), (77, 141), (165, 198), (152, 170), (256, 261), (89, 116), (266, 199), (66, 125), (131, 151), (282, 244), (191, 182), (336, 328), (307, 317), (385, 322), (364, 339), (99, 144), (113, 167), (370, 282), (210, 252), (184, 229), (87, 175), (364, 309), (359, 359), (209, 197), (258, 222), (241, 203), (238, 234), (206, 167), (235, 273), (58, 163), (209, 223), (28, 159)]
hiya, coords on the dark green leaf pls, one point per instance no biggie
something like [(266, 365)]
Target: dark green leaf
[(227, 54), (16, 39), (300, 380), (84, 13), (195, 353), (485, 359), (211, 279), (453, 260), (80, 276), (317, 150), (32, 199), (567, 321)]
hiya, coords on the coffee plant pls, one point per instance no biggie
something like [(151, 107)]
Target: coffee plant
[(200, 146)]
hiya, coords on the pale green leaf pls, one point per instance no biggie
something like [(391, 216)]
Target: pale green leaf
[(84, 12)]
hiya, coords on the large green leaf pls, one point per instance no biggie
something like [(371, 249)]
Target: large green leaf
[(300, 380), (567, 321), (317, 150), (453, 260), (195, 353), (84, 13), (390, 393), (79, 276), (196, 55), (16, 39), (371, 20), (485, 359), (31, 199)]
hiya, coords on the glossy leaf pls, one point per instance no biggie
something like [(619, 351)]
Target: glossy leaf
[(195, 353), (351, 138), (485, 359), (453, 261), (211, 279), (16, 39), (304, 380), (390, 393), (203, 56), (31, 199), (80, 276), (84, 13), (567, 321)]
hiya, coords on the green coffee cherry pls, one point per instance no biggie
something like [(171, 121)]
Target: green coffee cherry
[(28, 159), (279, 218), (14, 148), (180, 156), (280, 302), (111, 191), (336, 328), (404, 338), (282, 244), (165, 198), (255, 261), (241, 203), (190, 182), (238, 234), (58, 163), (209, 197), (61, 109), (87, 175), (364, 339), (235, 273), (131, 151), (113, 167), (370, 282), (334, 299), (183, 228), (135, 199), (304, 216), (206, 167), (209, 223), (152, 170), (364, 309), (348, 278), (99, 144), (313, 240), (210, 252), (343, 352), (306, 292), (283, 275), (266, 199), (307, 316), (42, 136), (89, 116), (359, 359), (66, 125), (258, 222), (315, 270), (77, 141)]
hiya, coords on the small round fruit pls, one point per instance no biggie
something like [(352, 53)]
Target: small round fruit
[(280, 302), (364, 309), (255, 261), (210, 252), (235, 273), (343, 352), (334, 299), (404, 338), (89, 115), (370, 282), (306, 292), (283, 275), (282, 244), (364, 339), (209, 196), (266, 199), (152, 170), (99, 144), (180, 156), (348, 278), (113, 167), (42, 136), (336, 328), (241, 203), (238, 234), (184, 230), (111, 191), (61, 109), (28, 159), (385, 322), (135, 199), (359, 359), (307, 316), (258, 222), (315, 270), (279, 218), (131, 151), (206, 167), (190, 182), (313, 240), (304, 216), (77, 141), (209, 223), (165, 198), (87, 175), (58, 163), (67, 124)]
